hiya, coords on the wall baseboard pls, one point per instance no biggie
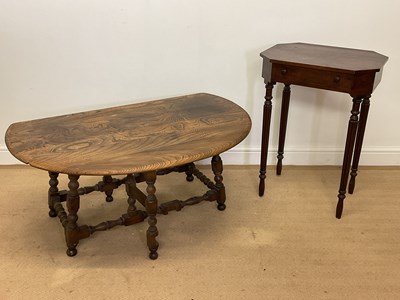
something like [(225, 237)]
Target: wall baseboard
[(383, 156), (388, 156), (6, 157)]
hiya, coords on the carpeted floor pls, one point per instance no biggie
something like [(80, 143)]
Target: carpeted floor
[(286, 245)]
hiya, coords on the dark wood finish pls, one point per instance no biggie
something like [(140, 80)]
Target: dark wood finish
[(352, 71), (53, 193), (265, 136), (108, 188), (72, 235), (216, 190), (143, 140), (151, 208), (359, 141), (348, 150), (283, 125), (216, 165)]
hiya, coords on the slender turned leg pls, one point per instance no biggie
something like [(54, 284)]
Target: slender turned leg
[(359, 142), (216, 165), (348, 151), (151, 208), (53, 192), (73, 206), (107, 180), (265, 137), (282, 129)]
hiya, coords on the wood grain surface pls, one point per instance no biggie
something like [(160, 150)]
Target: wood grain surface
[(325, 57), (133, 138)]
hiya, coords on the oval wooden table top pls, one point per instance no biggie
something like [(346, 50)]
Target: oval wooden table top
[(134, 138)]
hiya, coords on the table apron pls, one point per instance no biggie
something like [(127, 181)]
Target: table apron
[(322, 79)]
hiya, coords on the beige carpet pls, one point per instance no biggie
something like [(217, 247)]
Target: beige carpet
[(286, 245)]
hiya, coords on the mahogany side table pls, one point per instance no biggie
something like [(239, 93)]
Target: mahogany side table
[(352, 71)]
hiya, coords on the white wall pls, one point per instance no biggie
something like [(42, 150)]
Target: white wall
[(59, 56)]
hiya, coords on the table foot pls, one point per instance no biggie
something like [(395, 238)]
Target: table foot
[(72, 251), (153, 255), (52, 213), (221, 206), (189, 173), (279, 164), (339, 206), (352, 182), (261, 185)]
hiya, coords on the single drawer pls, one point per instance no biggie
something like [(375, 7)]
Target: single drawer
[(316, 78)]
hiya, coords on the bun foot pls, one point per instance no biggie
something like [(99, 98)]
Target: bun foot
[(52, 213), (153, 255), (71, 252), (221, 206)]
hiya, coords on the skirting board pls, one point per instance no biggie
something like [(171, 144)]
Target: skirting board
[(388, 156)]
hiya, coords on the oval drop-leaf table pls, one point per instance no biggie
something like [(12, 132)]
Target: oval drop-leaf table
[(139, 141)]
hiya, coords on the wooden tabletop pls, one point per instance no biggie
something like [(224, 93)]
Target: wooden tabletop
[(133, 138), (336, 58), (353, 71)]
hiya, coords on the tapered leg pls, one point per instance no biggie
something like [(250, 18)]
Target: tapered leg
[(71, 237), (283, 125), (351, 135), (359, 142), (151, 208), (216, 164), (265, 136), (53, 192)]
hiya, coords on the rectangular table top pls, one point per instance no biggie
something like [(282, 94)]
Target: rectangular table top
[(133, 138)]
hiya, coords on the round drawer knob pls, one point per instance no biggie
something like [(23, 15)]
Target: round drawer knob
[(337, 79), (284, 71)]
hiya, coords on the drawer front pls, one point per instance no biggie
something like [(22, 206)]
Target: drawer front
[(316, 78)]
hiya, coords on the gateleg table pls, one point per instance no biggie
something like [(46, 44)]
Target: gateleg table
[(139, 141)]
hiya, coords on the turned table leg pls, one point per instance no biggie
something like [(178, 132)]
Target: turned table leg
[(151, 209), (359, 142), (216, 165), (73, 206), (348, 152), (265, 136), (283, 125), (108, 188), (53, 193), (189, 173), (133, 215)]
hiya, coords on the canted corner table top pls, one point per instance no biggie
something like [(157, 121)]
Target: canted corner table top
[(326, 57), (132, 138)]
